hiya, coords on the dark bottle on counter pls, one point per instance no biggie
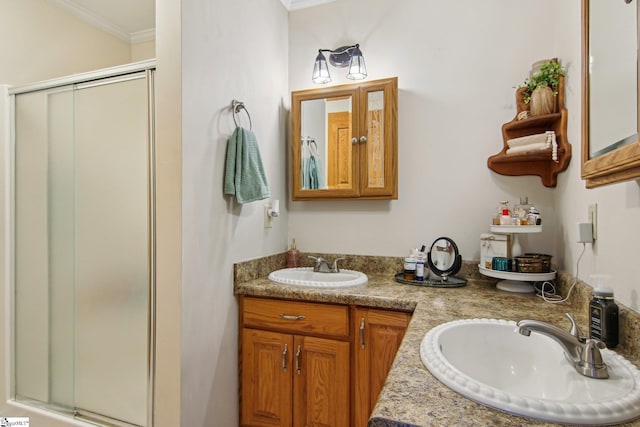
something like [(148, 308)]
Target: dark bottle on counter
[(603, 317)]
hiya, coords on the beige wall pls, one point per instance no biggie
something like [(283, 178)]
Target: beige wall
[(167, 389), (143, 50), (39, 41)]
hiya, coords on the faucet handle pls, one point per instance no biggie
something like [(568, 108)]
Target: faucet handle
[(319, 267), (317, 259), (335, 267), (575, 330), (591, 359)]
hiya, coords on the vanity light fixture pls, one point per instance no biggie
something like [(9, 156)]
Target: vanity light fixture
[(344, 56)]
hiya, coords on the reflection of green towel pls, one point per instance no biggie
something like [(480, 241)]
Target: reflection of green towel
[(310, 173), (244, 176)]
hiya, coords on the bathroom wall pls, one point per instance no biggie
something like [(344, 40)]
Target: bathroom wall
[(143, 50), (457, 64), (168, 127), (230, 50), (616, 250), (38, 41)]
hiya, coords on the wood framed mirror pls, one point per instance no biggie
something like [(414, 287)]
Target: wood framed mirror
[(610, 82), (344, 142)]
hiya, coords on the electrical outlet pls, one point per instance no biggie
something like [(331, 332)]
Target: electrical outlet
[(267, 218), (593, 219)]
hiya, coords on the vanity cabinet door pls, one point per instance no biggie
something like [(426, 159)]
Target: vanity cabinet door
[(321, 382), (378, 334), (266, 378)]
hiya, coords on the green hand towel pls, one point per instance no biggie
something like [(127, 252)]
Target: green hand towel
[(244, 175)]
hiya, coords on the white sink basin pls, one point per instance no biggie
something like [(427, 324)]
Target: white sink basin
[(487, 361), (305, 276)]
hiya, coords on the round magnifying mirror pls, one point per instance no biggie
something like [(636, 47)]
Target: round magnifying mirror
[(443, 258)]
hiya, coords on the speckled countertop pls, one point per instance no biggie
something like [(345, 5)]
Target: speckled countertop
[(411, 395)]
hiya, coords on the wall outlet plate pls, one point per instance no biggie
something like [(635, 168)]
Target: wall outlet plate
[(593, 219), (267, 218)]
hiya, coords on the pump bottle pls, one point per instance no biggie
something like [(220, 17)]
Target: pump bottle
[(603, 314), (293, 256)]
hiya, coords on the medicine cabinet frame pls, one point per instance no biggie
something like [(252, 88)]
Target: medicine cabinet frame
[(357, 141)]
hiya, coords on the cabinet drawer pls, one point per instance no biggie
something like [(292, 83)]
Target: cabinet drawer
[(296, 316)]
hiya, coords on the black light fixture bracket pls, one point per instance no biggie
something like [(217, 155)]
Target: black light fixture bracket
[(340, 57)]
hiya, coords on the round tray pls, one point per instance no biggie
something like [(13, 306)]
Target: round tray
[(510, 275), (451, 282), (509, 229)]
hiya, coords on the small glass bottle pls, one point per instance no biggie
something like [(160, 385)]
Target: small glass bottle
[(533, 217), (505, 213), (520, 210), (603, 314), (420, 270), (498, 214), (410, 268)]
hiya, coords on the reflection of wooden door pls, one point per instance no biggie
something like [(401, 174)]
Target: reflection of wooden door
[(339, 162)]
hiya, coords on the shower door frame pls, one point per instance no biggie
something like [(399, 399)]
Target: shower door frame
[(107, 75)]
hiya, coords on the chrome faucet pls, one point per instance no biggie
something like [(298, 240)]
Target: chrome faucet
[(584, 354), (322, 266)]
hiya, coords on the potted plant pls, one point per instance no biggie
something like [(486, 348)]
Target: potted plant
[(540, 90)]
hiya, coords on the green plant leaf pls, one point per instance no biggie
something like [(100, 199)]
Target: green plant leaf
[(548, 75)]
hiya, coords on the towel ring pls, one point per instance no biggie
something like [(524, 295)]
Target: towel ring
[(236, 106)]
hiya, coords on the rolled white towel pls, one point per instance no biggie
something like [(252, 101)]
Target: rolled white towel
[(529, 147), (526, 140), (530, 139)]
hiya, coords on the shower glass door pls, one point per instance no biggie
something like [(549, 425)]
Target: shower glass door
[(83, 249)]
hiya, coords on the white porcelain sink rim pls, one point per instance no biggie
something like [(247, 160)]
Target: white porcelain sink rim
[(600, 412), (348, 278)]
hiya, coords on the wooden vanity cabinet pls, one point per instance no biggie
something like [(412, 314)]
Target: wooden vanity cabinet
[(377, 339), (295, 363), (305, 364)]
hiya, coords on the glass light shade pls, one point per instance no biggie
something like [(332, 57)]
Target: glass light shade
[(357, 69), (321, 70)]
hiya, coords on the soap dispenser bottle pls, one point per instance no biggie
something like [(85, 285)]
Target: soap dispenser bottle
[(603, 314), (293, 255)]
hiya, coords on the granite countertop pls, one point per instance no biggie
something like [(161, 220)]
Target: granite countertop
[(411, 395)]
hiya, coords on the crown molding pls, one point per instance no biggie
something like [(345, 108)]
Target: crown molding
[(101, 23), (143, 35), (303, 4)]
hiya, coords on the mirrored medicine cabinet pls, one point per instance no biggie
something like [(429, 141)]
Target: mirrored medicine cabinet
[(610, 82), (345, 142)]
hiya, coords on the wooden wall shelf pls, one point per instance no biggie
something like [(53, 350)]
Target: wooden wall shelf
[(537, 162)]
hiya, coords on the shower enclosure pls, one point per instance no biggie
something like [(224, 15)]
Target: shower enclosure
[(83, 235)]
